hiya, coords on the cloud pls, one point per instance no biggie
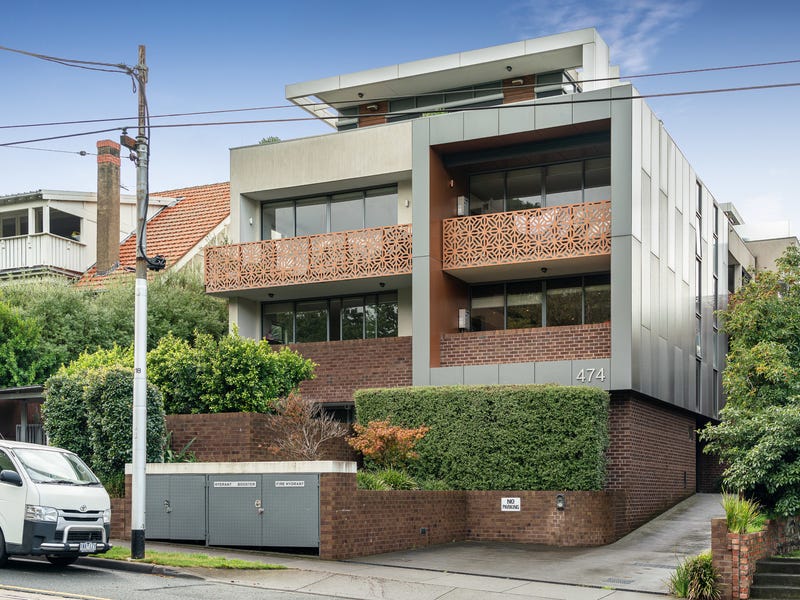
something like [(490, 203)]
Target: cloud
[(633, 29)]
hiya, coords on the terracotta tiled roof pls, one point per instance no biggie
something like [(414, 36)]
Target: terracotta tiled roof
[(176, 229)]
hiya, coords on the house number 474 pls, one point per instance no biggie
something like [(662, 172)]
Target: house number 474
[(589, 375)]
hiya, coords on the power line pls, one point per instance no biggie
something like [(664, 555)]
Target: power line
[(80, 64), (78, 152), (572, 102), (367, 100)]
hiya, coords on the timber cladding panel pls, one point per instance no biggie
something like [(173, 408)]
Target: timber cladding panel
[(346, 366), (569, 342), (651, 457)]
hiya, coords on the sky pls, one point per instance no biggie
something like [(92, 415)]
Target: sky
[(240, 54)]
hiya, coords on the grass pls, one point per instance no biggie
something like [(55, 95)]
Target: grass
[(742, 515), (181, 559)]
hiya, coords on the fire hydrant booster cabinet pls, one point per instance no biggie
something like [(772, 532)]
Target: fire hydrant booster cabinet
[(267, 504)]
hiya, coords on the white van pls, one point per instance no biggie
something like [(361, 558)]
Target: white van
[(51, 504)]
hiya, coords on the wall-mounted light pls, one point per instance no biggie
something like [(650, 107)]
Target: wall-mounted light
[(250, 220), (360, 94), (544, 269), (561, 502), (372, 107), (508, 68), (517, 82)]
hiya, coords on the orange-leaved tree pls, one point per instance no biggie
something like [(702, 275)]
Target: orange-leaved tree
[(388, 446)]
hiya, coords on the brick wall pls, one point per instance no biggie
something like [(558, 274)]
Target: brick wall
[(350, 365), (236, 437), (361, 522), (121, 518), (709, 473), (651, 458), (570, 342), (734, 555), (588, 518)]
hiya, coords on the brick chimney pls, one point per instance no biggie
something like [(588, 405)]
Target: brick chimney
[(107, 206)]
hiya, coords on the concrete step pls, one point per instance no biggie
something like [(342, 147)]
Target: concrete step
[(778, 565), (781, 579), (774, 592)]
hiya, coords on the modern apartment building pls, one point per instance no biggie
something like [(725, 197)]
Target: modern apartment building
[(514, 214)]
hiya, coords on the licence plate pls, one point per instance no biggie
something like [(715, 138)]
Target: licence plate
[(88, 547)]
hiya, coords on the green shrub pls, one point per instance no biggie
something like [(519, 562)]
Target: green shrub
[(233, 374), (368, 480), (64, 414), (20, 360), (398, 480), (527, 437), (109, 404), (741, 514), (695, 578)]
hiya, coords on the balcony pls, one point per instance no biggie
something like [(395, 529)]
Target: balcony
[(525, 236), (42, 251), (344, 255)]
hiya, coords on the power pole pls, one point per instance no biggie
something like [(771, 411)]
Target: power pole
[(140, 326)]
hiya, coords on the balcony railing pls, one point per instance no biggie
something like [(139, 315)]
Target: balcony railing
[(520, 236), (373, 252), (42, 250)]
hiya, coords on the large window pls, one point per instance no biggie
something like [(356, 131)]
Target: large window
[(13, 224), (348, 318), (324, 214), (535, 187), (544, 302)]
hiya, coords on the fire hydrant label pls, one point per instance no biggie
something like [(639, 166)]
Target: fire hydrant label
[(234, 484), (285, 484)]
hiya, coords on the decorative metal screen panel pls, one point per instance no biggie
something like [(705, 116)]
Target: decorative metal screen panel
[(373, 252), (566, 231)]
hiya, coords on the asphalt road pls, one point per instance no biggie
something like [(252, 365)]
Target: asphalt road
[(24, 579)]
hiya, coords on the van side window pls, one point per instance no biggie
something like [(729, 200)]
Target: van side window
[(5, 462)]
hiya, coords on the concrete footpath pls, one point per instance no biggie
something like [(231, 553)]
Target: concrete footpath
[(634, 568)]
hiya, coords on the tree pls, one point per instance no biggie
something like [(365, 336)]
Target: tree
[(232, 374), (269, 140), (74, 319), (20, 361), (759, 433), (388, 446), (300, 428)]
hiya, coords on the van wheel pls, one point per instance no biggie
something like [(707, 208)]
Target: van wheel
[(62, 560), (3, 553)]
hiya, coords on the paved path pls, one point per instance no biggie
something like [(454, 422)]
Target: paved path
[(634, 568)]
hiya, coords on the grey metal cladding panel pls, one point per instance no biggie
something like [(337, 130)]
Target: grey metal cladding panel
[(517, 373), (420, 187), (447, 128), (557, 114), (594, 109), (664, 372), (645, 362), (420, 320), (481, 375), (678, 375), (558, 371), (513, 119), (157, 518), (291, 510), (233, 517), (447, 376), (593, 373), (481, 123), (655, 294), (187, 495)]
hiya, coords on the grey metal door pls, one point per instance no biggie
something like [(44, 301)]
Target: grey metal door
[(156, 507), (187, 498), (291, 510), (234, 510)]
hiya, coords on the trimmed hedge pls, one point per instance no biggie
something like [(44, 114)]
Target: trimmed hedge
[(501, 437)]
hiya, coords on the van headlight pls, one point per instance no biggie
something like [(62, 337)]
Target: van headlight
[(107, 515), (40, 513)]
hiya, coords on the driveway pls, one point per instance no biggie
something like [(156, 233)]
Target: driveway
[(641, 561)]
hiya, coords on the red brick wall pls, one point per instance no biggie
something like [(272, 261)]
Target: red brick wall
[(236, 437), (709, 473), (350, 365), (651, 458), (570, 342), (587, 519), (121, 517), (361, 522)]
